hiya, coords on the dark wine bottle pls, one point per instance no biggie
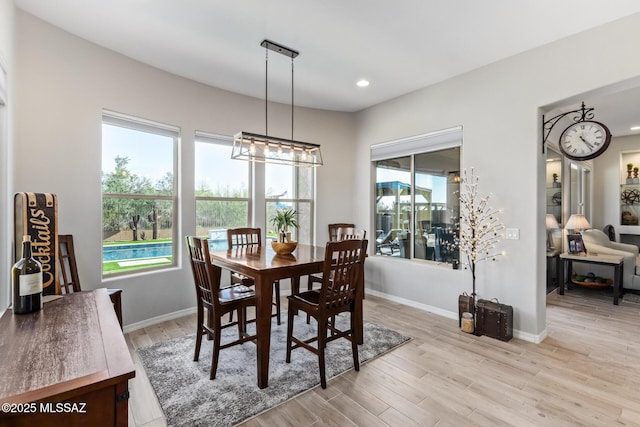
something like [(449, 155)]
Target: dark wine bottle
[(26, 281)]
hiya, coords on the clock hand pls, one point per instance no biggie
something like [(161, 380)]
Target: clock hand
[(585, 142)]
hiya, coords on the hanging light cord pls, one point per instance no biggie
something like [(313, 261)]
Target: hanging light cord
[(292, 98), (266, 91)]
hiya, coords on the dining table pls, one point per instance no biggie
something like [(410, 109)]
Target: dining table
[(265, 266)]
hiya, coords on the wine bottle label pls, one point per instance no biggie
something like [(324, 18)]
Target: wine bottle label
[(30, 284)]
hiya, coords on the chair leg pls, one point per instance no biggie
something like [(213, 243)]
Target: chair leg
[(289, 333), (242, 325), (322, 338), (309, 288), (216, 349), (199, 334), (354, 343), (276, 289)]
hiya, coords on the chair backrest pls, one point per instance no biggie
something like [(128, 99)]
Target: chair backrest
[(333, 230), (206, 276), (242, 237), (351, 233), (341, 276), (610, 231), (68, 278)]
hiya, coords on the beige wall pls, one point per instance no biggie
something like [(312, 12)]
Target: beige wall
[(63, 84), (7, 11), (499, 107)]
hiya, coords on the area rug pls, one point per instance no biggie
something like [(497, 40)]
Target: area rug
[(189, 398), (631, 297)]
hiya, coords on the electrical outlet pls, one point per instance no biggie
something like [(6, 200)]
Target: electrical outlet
[(513, 234)]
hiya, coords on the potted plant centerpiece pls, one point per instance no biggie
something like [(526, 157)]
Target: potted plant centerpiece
[(283, 221)]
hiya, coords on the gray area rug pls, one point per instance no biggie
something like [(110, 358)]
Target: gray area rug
[(189, 398), (630, 297)]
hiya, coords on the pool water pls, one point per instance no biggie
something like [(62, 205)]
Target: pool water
[(148, 250)]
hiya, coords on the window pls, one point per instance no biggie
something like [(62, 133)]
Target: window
[(138, 194), (222, 188), (290, 187), (416, 204)]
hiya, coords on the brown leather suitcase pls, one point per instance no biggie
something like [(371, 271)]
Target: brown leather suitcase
[(494, 319), (36, 214), (465, 304)]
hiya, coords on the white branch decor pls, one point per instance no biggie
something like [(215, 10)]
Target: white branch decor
[(480, 228)]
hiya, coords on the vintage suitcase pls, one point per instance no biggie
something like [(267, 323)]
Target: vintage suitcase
[(36, 214), (465, 304), (494, 319)]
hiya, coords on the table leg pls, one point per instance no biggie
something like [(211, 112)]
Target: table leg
[(561, 274), (264, 295), (295, 288), (617, 282)]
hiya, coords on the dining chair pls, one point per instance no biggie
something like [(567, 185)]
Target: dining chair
[(333, 236), (68, 279), (341, 280), (217, 302), (337, 232), (246, 237), (333, 229)]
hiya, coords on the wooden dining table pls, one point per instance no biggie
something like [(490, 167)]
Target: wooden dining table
[(265, 266)]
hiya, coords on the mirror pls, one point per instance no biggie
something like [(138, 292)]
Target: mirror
[(580, 189)]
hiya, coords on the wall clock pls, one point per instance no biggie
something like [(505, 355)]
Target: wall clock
[(584, 140)]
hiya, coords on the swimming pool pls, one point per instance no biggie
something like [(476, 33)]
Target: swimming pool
[(148, 250)]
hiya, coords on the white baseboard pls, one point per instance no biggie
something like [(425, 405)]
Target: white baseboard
[(536, 339), (158, 319)]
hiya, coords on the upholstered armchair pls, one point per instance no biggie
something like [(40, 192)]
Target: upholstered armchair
[(597, 242)]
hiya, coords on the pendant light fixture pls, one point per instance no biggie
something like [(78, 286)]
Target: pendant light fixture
[(268, 149)]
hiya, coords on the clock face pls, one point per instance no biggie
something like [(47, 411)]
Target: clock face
[(584, 140)]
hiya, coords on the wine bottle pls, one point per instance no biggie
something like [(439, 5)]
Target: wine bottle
[(26, 281)]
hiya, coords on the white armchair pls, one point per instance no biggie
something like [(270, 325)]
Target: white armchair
[(597, 242)]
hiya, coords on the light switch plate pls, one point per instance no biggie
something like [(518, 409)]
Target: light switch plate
[(513, 234)]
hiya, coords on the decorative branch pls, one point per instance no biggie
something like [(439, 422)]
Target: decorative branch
[(479, 226)]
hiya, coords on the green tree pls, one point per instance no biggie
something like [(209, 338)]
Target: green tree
[(118, 211)]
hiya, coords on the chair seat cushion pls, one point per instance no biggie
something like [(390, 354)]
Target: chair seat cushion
[(312, 297), (234, 293), (241, 278)]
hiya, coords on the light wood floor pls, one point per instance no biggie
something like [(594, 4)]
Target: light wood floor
[(586, 372)]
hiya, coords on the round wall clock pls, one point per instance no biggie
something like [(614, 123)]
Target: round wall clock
[(584, 140)]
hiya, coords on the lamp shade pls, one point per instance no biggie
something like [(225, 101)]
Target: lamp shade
[(577, 222), (551, 222), (269, 149)]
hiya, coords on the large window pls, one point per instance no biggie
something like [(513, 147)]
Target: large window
[(416, 205), (222, 187), (290, 187), (138, 194)]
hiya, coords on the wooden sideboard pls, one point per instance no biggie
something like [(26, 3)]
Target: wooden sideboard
[(66, 365)]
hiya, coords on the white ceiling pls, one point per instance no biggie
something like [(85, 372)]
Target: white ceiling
[(399, 45)]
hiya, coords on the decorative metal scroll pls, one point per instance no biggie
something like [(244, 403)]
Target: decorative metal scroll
[(582, 114)]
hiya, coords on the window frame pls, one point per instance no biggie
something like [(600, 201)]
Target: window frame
[(201, 137), (296, 201), (411, 147), (148, 126)]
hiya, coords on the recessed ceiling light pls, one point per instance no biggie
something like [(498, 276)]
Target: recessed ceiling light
[(635, 128), (363, 83)]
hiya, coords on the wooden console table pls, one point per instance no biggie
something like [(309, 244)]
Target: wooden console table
[(615, 261), (66, 365)]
